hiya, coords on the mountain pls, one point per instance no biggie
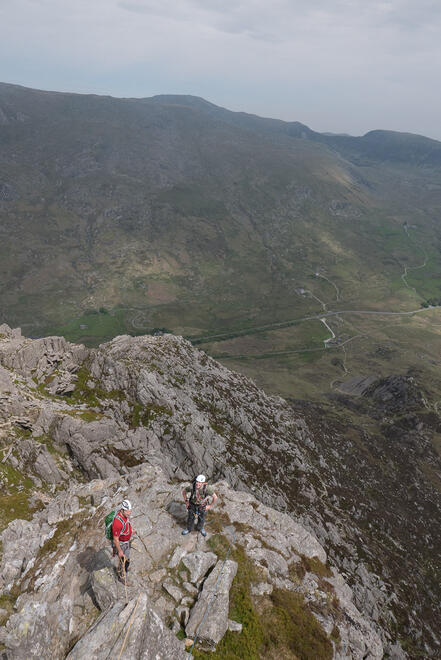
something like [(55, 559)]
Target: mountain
[(126, 215), (339, 522), (309, 262)]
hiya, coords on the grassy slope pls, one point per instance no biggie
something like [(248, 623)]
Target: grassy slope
[(174, 213)]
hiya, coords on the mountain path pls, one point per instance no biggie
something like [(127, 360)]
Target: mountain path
[(337, 290), (285, 324), (409, 268), (325, 341)]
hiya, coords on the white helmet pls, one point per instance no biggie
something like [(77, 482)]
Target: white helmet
[(126, 506), (200, 479)]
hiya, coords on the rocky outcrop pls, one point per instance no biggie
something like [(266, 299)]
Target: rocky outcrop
[(214, 599), (155, 403), (69, 590), (133, 630)]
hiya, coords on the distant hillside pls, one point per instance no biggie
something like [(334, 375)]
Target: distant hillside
[(125, 215)]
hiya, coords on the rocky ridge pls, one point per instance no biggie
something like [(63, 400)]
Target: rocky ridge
[(138, 415), (70, 602)]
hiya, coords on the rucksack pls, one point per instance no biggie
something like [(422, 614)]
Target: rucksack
[(109, 524)]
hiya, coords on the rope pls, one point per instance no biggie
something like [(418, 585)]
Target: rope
[(128, 629), (213, 597)]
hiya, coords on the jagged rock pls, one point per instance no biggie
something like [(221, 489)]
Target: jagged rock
[(198, 563), (148, 638), (175, 626), (274, 455), (178, 553), (21, 542), (234, 626), (190, 588), (104, 587), (173, 590), (157, 576), (269, 559), (182, 614), (216, 623), (261, 588)]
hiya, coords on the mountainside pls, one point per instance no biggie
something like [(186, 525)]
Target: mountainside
[(308, 262), (80, 427), (126, 215)]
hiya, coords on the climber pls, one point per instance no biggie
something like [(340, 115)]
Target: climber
[(121, 533), (198, 498)]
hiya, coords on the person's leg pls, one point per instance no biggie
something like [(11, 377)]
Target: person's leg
[(201, 520), (124, 562), (190, 517)]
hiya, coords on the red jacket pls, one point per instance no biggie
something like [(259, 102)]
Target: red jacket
[(122, 530)]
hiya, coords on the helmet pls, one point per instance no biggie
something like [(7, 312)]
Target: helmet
[(201, 479), (126, 506)]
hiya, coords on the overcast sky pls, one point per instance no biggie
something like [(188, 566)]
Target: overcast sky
[(335, 65)]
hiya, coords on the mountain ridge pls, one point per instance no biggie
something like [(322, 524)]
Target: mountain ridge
[(76, 414)]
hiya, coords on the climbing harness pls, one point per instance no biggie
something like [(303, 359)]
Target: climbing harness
[(213, 597)]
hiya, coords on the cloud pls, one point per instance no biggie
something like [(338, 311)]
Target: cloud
[(347, 65)]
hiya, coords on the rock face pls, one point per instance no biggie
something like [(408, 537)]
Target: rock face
[(198, 563), (69, 590), (214, 599), (81, 428), (147, 638)]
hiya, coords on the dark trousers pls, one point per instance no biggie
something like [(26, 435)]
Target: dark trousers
[(194, 512), (125, 547)]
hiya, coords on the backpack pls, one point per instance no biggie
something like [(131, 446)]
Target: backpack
[(109, 524)]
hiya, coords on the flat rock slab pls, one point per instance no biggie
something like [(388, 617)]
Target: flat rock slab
[(215, 595), (177, 555), (198, 563), (173, 590), (147, 639), (104, 587)]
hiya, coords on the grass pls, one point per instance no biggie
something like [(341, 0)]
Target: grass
[(98, 325), (285, 628), (15, 495), (143, 415), (90, 395)]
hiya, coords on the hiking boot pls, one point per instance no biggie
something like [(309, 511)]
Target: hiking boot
[(185, 531), (203, 532)]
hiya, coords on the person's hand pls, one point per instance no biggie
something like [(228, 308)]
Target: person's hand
[(120, 554), (208, 507), (187, 504)]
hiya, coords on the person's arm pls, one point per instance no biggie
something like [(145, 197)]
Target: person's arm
[(118, 547), (213, 501), (186, 498)]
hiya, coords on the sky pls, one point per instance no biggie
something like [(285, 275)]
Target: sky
[(345, 66)]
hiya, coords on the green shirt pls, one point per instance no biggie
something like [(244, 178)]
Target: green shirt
[(199, 496)]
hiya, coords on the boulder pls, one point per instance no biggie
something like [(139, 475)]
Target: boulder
[(172, 589), (104, 587), (178, 554), (234, 626), (215, 596), (147, 636), (198, 563)]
